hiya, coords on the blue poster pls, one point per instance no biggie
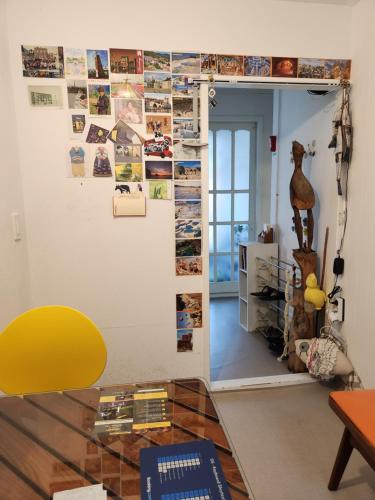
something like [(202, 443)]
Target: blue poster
[(181, 472)]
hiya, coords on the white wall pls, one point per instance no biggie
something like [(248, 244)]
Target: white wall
[(14, 272), (121, 272), (245, 103)]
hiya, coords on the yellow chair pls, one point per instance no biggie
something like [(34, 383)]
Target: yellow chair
[(50, 348)]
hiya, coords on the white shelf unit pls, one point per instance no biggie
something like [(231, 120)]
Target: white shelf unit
[(248, 282)]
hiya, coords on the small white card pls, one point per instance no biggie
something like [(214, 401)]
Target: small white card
[(95, 492)]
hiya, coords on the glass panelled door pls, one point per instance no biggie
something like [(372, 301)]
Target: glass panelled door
[(232, 156)]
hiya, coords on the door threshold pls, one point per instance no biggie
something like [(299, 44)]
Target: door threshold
[(261, 382)]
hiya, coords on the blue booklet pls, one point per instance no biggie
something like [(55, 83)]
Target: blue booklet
[(189, 471)]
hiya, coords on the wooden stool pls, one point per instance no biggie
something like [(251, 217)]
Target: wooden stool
[(357, 411)]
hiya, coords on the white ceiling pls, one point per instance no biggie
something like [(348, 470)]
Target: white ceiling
[(335, 2)]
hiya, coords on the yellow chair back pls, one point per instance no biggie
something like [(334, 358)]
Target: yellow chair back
[(50, 348)]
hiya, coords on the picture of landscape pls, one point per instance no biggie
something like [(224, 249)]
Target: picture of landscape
[(158, 103), (159, 170), (337, 68), (129, 87), (129, 172), (257, 66), (77, 94), (188, 228), (188, 248), (230, 65), (157, 61), (159, 83), (97, 64), (129, 110), (310, 68), (188, 63), (208, 63), (184, 129), (188, 266), (182, 85), (158, 123), (159, 190), (187, 170), (189, 319), (128, 153), (189, 190), (285, 67), (184, 340), (188, 209), (127, 61), (183, 107)]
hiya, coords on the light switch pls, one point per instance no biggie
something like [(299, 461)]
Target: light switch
[(16, 226)]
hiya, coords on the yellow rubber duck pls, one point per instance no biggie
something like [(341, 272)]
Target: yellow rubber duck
[(313, 294)]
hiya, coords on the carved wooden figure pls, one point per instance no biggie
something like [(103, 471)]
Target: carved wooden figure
[(302, 197)]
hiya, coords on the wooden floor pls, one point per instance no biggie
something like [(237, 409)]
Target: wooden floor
[(236, 353)]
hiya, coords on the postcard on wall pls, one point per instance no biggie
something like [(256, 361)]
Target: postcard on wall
[(230, 65), (182, 85), (129, 110), (128, 61), (75, 63), (187, 190), (131, 153), (188, 228), (189, 319), (128, 87), (77, 125), (160, 147), (185, 340), (188, 248), (189, 310), (39, 61), (129, 205), (97, 135), (125, 135), (183, 128), (157, 83), (284, 67), (157, 61), (208, 63), (158, 170), (183, 107), (101, 164), (158, 125), (257, 66), (187, 170), (311, 68), (158, 103), (187, 149), (99, 99), (45, 96), (188, 266), (97, 64), (160, 190), (77, 94), (129, 172), (188, 209), (77, 160), (337, 68), (187, 63), (129, 188)]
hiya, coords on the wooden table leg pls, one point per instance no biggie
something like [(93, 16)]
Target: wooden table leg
[(342, 458)]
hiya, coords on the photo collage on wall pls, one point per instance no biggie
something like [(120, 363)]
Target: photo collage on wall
[(188, 318)]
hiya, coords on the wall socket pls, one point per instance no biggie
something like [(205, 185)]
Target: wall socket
[(338, 312)]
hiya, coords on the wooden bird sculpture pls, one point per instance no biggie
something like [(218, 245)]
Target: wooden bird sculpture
[(301, 198)]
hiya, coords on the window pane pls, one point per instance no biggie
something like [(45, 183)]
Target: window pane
[(211, 237), (210, 207), (223, 242), (223, 207), (241, 206), (212, 268), (241, 235), (211, 159), (242, 159), (223, 159), (223, 263), (236, 278)]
